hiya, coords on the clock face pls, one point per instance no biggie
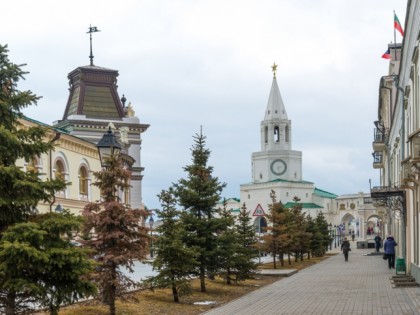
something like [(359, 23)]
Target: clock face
[(278, 167)]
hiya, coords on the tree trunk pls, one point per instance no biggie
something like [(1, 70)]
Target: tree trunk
[(274, 260), (228, 276), (202, 279), (112, 291), (54, 310), (174, 288), (288, 257), (175, 293), (112, 301), (10, 305)]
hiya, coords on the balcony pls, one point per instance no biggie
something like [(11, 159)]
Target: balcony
[(378, 160), (379, 139)]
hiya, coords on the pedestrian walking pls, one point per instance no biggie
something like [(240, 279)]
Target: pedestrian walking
[(389, 249), (345, 247), (378, 240), (352, 236)]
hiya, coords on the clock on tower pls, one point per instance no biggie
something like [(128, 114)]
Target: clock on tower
[(278, 167)]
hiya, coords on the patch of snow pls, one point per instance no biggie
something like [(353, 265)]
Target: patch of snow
[(205, 303)]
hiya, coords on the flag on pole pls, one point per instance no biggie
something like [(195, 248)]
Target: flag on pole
[(397, 25), (387, 54)]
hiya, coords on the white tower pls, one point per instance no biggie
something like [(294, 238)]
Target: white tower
[(276, 160)]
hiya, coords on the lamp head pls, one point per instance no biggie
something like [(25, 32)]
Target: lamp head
[(108, 146)]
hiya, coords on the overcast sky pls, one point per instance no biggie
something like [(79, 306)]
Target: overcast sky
[(192, 63)]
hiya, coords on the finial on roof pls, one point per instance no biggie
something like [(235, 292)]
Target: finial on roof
[(274, 67), (92, 29)]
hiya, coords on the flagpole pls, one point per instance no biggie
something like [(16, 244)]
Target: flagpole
[(395, 40)]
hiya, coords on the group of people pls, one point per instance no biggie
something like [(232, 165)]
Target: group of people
[(389, 248)]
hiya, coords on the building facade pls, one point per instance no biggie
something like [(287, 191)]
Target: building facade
[(93, 107), (396, 143)]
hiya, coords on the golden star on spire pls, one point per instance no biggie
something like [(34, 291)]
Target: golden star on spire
[(274, 67)]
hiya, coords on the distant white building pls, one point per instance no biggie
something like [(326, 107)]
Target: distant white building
[(277, 167), (358, 213)]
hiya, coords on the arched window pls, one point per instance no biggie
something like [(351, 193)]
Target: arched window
[(59, 170), (60, 173), (265, 134), (260, 224), (276, 134), (32, 165), (83, 182)]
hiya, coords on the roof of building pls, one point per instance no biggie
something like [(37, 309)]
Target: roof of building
[(61, 130), (305, 205), (289, 181), (275, 106), (93, 93), (324, 194)]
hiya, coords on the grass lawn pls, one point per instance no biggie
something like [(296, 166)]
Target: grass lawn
[(160, 302)]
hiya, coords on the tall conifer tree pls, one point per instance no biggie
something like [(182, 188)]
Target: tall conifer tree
[(174, 261), (20, 191), (198, 194), (228, 247), (247, 251), (38, 264)]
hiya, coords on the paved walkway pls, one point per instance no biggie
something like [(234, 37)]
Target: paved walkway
[(332, 287)]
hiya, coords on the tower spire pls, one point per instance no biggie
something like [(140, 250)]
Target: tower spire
[(92, 29)]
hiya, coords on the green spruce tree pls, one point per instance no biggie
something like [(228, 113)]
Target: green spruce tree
[(247, 252), (174, 261), (198, 194), (301, 238), (228, 247), (324, 235), (38, 264), (20, 191)]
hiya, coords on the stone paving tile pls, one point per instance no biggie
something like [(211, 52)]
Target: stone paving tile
[(332, 287)]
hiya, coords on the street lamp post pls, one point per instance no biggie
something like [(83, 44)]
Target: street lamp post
[(330, 235), (335, 236), (339, 235), (151, 221), (259, 240), (108, 146)]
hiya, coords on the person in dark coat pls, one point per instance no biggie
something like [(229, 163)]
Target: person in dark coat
[(378, 240), (345, 247), (389, 249)]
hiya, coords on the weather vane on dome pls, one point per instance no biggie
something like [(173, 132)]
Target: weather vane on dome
[(92, 29), (274, 67)]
